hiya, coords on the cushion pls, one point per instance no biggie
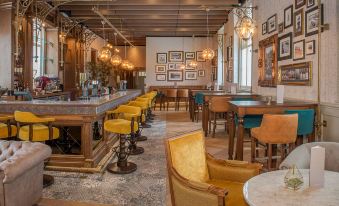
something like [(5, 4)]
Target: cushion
[(40, 133), (4, 130), (120, 126), (235, 195)]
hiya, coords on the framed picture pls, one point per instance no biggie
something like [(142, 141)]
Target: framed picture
[(281, 27), (298, 27), (191, 75), (285, 47), (288, 17), (188, 67), (299, 50), (200, 58), (174, 75), (272, 24), (299, 3), (161, 77), (176, 56), (189, 55), (201, 73), (296, 74), (178, 66), (171, 66), (310, 47), (311, 23), (311, 3), (267, 62), (160, 68), (161, 58), (264, 28)]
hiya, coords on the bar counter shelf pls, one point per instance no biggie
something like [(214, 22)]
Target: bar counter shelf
[(83, 145)]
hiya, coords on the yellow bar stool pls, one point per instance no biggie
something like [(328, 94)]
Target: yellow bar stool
[(149, 117), (36, 129), (143, 106), (122, 127), (130, 112), (6, 129), (145, 109)]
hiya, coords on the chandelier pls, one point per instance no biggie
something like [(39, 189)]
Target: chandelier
[(116, 59), (193, 63), (245, 26), (105, 52), (208, 53), (125, 63)]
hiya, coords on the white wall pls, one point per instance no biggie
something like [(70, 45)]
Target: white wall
[(156, 45), (6, 74), (329, 48)]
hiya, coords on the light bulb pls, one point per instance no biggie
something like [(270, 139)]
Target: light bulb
[(116, 60), (125, 64), (105, 54), (193, 64), (208, 54)]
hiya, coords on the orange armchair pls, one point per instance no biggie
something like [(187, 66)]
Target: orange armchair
[(197, 179)]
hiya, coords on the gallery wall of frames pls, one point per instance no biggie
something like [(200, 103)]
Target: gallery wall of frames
[(287, 46), (168, 61)]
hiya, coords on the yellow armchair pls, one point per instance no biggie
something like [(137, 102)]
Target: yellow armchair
[(197, 179), (6, 129)]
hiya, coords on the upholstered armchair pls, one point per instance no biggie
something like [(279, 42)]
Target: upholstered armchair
[(21, 172), (197, 179), (301, 156)]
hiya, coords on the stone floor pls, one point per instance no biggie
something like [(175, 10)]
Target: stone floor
[(148, 185)]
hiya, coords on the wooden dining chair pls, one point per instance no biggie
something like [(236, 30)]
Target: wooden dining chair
[(182, 94), (171, 96), (218, 106)]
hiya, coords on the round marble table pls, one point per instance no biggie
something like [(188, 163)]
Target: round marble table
[(269, 189)]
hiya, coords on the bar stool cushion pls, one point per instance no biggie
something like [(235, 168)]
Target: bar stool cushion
[(305, 120), (120, 126), (199, 98), (4, 131), (250, 121), (40, 133), (127, 111)]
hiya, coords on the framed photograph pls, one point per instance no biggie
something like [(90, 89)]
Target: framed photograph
[(161, 58), (176, 56), (161, 77), (299, 50), (175, 75), (171, 66), (201, 73), (281, 27), (264, 28), (191, 75), (200, 58), (177, 66), (160, 68), (189, 55), (267, 62), (311, 22), (310, 47), (298, 26), (299, 3), (288, 17), (272, 24), (311, 3), (188, 67), (285, 47), (296, 74)]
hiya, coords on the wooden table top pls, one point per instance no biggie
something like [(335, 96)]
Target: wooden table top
[(273, 104)]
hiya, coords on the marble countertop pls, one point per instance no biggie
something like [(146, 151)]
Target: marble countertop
[(269, 189)]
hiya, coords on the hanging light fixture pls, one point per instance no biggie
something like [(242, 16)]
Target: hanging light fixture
[(116, 59), (245, 26), (125, 63), (193, 63), (208, 53), (105, 52), (182, 65)]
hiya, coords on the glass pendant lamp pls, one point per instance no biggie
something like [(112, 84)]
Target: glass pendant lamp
[(208, 53), (105, 52), (115, 59), (193, 63), (125, 62)]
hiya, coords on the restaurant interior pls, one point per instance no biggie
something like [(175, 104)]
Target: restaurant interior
[(169, 102)]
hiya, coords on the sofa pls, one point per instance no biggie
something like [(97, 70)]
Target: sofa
[(21, 172), (301, 156)]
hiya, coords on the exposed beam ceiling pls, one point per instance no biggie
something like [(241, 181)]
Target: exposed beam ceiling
[(140, 18)]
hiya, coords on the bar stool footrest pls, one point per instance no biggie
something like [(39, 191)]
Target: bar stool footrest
[(115, 169)]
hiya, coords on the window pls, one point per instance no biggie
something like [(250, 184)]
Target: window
[(245, 67), (38, 48)]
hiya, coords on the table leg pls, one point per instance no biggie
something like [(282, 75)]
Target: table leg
[(205, 117), (231, 132), (240, 139)]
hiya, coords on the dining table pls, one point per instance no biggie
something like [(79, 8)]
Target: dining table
[(269, 189), (243, 108), (209, 95)]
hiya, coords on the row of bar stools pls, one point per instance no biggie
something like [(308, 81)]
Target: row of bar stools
[(128, 121)]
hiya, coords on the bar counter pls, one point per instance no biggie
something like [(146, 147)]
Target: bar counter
[(84, 116)]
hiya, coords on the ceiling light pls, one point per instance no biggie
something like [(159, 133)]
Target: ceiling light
[(208, 53)]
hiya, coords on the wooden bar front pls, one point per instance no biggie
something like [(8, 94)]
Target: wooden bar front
[(80, 113)]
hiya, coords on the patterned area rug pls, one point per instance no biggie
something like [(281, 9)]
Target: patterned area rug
[(146, 186)]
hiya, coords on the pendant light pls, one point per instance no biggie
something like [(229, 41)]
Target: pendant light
[(130, 66), (105, 52), (182, 65), (208, 53), (245, 27), (116, 59), (193, 63), (125, 62)]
